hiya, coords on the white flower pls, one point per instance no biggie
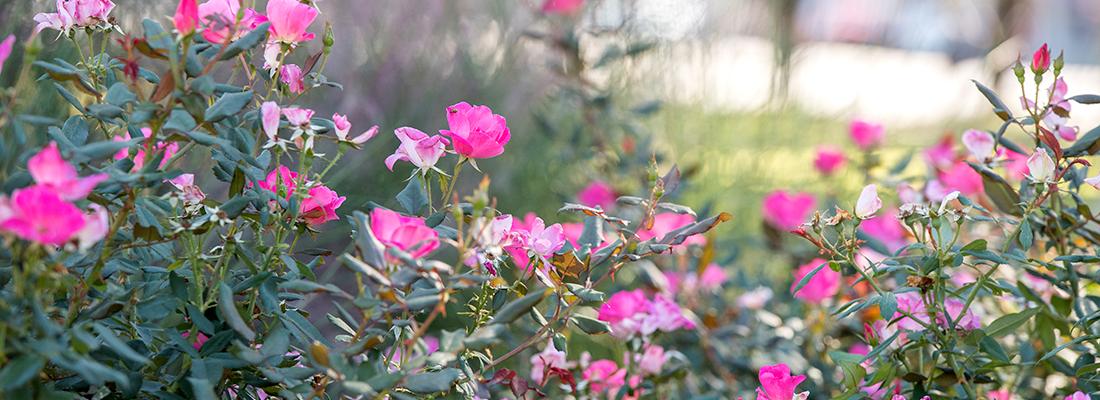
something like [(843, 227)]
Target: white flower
[(868, 203), (1040, 167)]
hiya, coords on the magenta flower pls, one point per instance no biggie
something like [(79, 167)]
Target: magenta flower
[(604, 375), (665, 223), (74, 13), (886, 229), (1003, 394), (200, 339), (96, 226), (342, 125), (417, 148), (562, 6), (50, 170), (186, 18), (291, 75), (623, 305), (169, 149), (942, 154), (962, 178), (289, 20), (981, 144), (664, 315), (476, 131), (39, 214), (866, 135), (970, 319), (408, 234), (776, 383), (828, 160), (630, 313), (597, 194), (1015, 164), (824, 285), (281, 181), (1078, 395), (321, 205), (219, 18), (785, 211), (544, 240), (1040, 60), (5, 50)]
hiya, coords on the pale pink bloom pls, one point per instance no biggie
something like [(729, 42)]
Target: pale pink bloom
[(270, 114), (666, 223), (604, 375), (549, 357), (1058, 124), (866, 135), (776, 383), (912, 304), (281, 181), (544, 240), (299, 117), (823, 285), (189, 192), (321, 205), (74, 13), (955, 307), (186, 18), (981, 144), (868, 203), (712, 277), (942, 154), (787, 211), (962, 278), (908, 195), (96, 225), (1058, 91), (50, 170), (755, 299), (290, 20), (200, 339), (491, 238), (5, 50), (342, 125), (562, 6), (408, 234), (219, 17), (886, 229), (40, 215), (1040, 167), (828, 160), (291, 75), (417, 148), (1078, 395), (169, 149), (366, 135), (1040, 62), (1093, 181), (476, 131), (664, 315), (651, 361), (597, 194), (1003, 394), (962, 178), (630, 313)]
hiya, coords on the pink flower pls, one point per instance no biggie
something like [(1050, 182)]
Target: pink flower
[(962, 178), (1040, 60), (189, 192), (604, 375), (562, 6), (270, 114), (545, 360), (828, 160), (942, 154), (597, 194), (281, 181), (1002, 394), (366, 135), (219, 17), (868, 203), (186, 18), (74, 13), (886, 229), (955, 307), (39, 214), (1078, 395), (96, 226), (200, 339), (1015, 164), (787, 211), (5, 50), (912, 304), (169, 149), (544, 240), (50, 170), (666, 223), (476, 131), (299, 117), (908, 195), (321, 205), (418, 148), (776, 383), (824, 285), (342, 125), (291, 75), (651, 361), (664, 315), (866, 135), (980, 144), (408, 234), (755, 299), (623, 305), (289, 20), (1040, 167), (712, 277)]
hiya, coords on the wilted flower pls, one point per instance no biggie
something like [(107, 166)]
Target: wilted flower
[(476, 131), (289, 20), (787, 211), (291, 75), (823, 285), (981, 144), (597, 194), (1040, 166), (776, 383), (50, 170), (828, 159), (408, 234), (866, 135), (320, 206), (38, 214), (418, 148), (868, 203)]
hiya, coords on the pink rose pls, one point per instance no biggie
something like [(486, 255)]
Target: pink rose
[(270, 115), (712, 277), (866, 135), (281, 181), (1040, 167), (189, 192), (74, 13), (597, 194), (652, 360), (219, 17), (828, 160), (963, 178), (548, 358), (417, 148), (1078, 395), (980, 144), (544, 240), (970, 319), (623, 305), (408, 234), (299, 117), (5, 50), (289, 20), (824, 285), (776, 383), (476, 131), (604, 375), (96, 226), (1015, 164), (1040, 60), (785, 211), (50, 170), (39, 214), (666, 223), (291, 75), (186, 18), (169, 149), (942, 154), (911, 303), (321, 205), (886, 229), (562, 6), (1002, 394)]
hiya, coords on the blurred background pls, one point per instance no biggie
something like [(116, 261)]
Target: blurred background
[(738, 93)]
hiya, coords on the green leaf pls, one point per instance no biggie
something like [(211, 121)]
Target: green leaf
[(512, 311), (433, 382), (252, 39), (977, 245), (993, 349), (590, 325), (228, 308), (1086, 98), (120, 95), (585, 294), (1087, 144), (806, 279), (999, 106), (20, 371), (485, 336), (121, 348), (412, 197), (999, 190), (1026, 236), (888, 304), (1009, 323), (227, 105), (369, 247)]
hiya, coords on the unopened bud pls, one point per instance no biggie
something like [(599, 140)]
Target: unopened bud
[(329, 39), (1018, 69)]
